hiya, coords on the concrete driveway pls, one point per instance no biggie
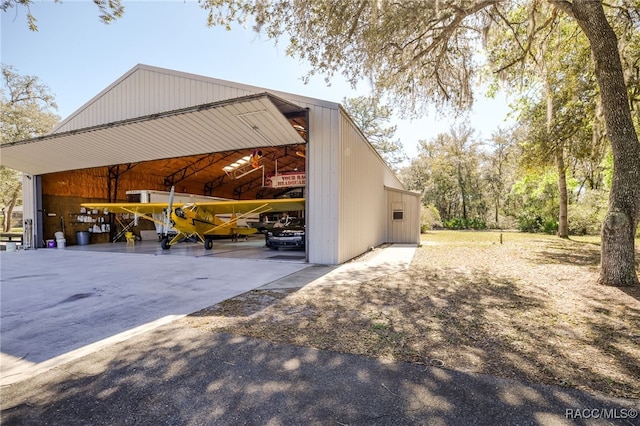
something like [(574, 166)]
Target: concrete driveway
[(57, 305)]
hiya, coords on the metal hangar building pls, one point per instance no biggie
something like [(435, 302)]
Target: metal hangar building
[(154, 128)]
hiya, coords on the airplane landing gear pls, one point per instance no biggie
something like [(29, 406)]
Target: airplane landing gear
[(208, 243), (165, 244)]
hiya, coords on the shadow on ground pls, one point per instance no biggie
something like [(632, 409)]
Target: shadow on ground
[(536, 326), (183, 377)]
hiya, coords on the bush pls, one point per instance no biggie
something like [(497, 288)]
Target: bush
[(527, 223), (550, 226), (430, 218), (535, 223), (461, 223), (477, 224), (587, 214)]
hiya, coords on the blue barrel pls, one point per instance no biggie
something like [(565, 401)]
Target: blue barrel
[(83, 238)]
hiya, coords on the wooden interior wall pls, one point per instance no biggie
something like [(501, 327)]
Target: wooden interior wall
[(94, 183), (138, 179), (62, 214), (64, 192), (87, 183)]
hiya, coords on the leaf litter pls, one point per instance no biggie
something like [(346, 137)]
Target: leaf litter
[(528, 309)]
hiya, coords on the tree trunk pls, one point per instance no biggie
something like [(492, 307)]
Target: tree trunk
[(461, 184), (6, 226), (563, 204), (619, 228), (563, 218)]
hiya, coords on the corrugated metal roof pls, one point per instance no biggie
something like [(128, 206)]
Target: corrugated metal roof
[(240, 123)]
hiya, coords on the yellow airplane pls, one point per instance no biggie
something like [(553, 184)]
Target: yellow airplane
[(199, 219)]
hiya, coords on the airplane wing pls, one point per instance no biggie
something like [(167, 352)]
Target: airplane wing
[(252, 206), (213, 207), (142, 210), (138, 209)]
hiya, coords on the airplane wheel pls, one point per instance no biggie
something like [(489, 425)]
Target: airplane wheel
[(165, 244), (208, 244)]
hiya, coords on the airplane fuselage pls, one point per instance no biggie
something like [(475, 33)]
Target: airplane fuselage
[(189, 219)]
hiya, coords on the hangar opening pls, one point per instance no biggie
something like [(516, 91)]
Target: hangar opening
[(202, 177)]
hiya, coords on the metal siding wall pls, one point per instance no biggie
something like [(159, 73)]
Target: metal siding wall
[(29, 207), (322, 212), (146, 92), (362, 199), (322, 186), (391, 180), (406, 231)]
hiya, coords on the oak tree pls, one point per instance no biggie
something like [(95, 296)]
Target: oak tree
[(25, 112), (419, 53)]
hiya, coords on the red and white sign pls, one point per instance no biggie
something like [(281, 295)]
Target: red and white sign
[(287, 180)]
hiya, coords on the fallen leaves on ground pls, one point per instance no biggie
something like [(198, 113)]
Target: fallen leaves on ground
[(526, 309)]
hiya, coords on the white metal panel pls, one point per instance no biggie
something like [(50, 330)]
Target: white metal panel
[(29, 209), (218, 127), (322, 186), (407, 230), (362, 212), (146, 90)]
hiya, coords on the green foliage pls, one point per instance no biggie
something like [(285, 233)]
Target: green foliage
[(607, 169), (451, 180), (499, 172), (429, 218), (534, 201), (530, 222), (587, 215), (416, 53), (110, 10), (462, 223), (25, 105)]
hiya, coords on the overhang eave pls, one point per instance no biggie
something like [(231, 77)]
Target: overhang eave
[(242, 123)]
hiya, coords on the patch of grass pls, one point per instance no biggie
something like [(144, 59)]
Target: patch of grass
[(479, 237), (493, 237)]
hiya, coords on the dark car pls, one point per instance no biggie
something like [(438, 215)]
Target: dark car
[(287, 237)]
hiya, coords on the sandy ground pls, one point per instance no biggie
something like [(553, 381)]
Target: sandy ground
[(526, 308)]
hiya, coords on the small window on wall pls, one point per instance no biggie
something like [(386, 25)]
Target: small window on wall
[(397, 211)]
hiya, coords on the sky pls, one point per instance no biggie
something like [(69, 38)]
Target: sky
[(77, 56)]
